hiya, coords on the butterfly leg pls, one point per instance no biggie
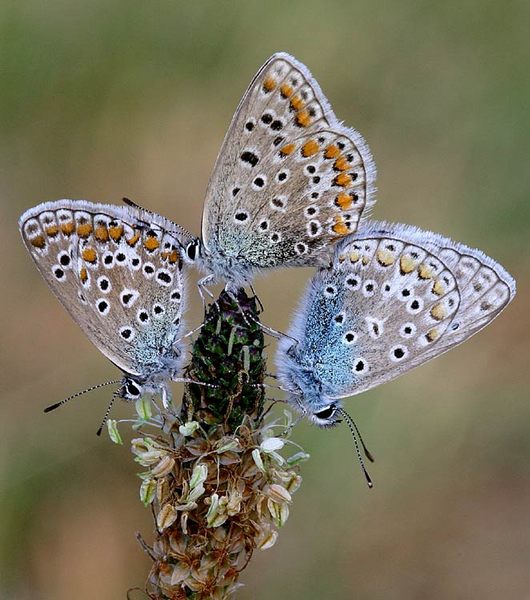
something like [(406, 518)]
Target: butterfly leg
[(166, 395)]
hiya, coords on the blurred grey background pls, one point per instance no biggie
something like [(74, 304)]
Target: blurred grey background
[(104, 99)]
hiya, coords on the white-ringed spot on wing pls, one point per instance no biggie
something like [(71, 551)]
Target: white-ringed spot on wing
[(259, 182), (310, 170), (407, 330), (120, 257), (414, 306), (349, 338), (352, 282), (142, 316), (108, 260), (360, 366), (300, 248), (275, 237), (81, 297), (264, 225), (175, 296), (386, 289), (405, 294), (339, 319), (398, 353), (128, 297), (249, 158), (58, 273), (240, 217), (250, 124), (127, 333), (135, 262), (148, 270), (63, 258), (158, 310), (314, 228), (104, 284), (102, 306), (164, 277), (278, 203), (283, 175), (369, 288), (330, 291), (311, 211)]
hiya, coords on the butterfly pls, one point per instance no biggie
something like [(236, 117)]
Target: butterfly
[(118, 272), (290, 179), (392, 298)]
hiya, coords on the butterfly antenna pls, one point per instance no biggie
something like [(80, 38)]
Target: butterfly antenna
[(90, 389), (107, 413), (179, 229), (356, 435)]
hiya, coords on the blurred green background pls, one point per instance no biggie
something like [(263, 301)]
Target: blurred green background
[(110, 98)]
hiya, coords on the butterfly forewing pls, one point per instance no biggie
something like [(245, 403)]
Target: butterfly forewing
[(394, 298), (117, 271), (289, 178)]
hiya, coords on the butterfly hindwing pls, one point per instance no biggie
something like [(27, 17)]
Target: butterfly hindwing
[(290, 178), (394, 298), (117, 271)]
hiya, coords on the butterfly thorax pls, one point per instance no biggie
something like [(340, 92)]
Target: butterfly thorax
[(226, 269)]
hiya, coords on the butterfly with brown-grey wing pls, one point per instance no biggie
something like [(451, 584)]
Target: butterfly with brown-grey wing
[(290, 180), (118, 271)]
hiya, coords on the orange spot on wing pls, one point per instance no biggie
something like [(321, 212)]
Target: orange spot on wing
[(343, 179), (116, 232), (51, 230), (132, 241), (296, 103), (101, 233), (84, 229), (438, 312), (151, 244), (90, 255), (83, 274), (332, 152), (344, 201), (269, 84), (432, 335), (286, 90), (340, 226), (302, 118), (172, 257), (38, 242), (287, 149), (309, 148), (341, 164), (68, 228), (438, 288)]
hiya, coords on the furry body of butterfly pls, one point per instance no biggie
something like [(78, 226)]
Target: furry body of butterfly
[(392, 298)]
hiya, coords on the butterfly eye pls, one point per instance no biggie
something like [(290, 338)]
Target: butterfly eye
[(191, 250), (326, 413), (132, 390)]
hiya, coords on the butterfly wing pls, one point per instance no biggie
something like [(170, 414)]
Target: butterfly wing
[(394, 298), (117, 271), (290, 178)]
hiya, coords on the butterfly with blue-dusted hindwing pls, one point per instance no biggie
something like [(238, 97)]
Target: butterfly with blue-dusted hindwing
[(118, 272)]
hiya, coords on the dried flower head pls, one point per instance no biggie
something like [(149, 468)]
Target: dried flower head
[(215, 472)]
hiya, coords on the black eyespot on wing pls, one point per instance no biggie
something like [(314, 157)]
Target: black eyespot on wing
[(250, 158)]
